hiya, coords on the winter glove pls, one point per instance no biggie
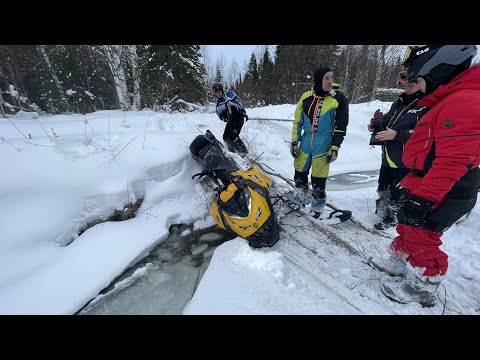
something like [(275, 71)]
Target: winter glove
[(294, 149), (376, 122), (332, 154), (399, 195), (415, 210), (222, 116), (377, 115), (244, 114)]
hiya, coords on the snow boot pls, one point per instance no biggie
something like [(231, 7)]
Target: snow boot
[(382, 203), (229, 144), (300, 194), (317, 207), (240, 147), (413, 288), (391, 265), (387, 205), (319, 195)]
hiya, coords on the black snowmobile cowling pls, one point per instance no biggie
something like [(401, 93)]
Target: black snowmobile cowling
[(241, 204)]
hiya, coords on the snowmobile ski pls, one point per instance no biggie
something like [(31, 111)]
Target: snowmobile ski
[(326, 215)]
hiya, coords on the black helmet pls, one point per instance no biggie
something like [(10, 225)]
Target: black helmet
[(437, 64), (217, 86)]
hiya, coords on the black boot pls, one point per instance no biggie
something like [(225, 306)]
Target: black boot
[(382, 203), (229, 143), (240, 147)]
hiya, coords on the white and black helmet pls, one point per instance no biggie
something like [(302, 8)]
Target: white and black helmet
[(437, 64)]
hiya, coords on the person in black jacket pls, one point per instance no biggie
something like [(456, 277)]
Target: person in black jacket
[(392, 130)]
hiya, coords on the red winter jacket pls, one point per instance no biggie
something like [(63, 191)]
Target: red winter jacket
[(446, 140)]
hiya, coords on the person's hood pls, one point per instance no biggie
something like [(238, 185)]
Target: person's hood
[(318, 78), (469, 79)]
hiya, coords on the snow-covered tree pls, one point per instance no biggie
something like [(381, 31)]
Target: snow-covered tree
[(170, 72)]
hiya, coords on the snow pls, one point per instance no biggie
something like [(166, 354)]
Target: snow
[(54, 186), (12, 91), (89, 94)]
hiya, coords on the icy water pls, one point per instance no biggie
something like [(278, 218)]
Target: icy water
[(353, 180), (165, 281)]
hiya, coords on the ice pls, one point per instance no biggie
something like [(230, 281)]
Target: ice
[(210, 237), (163, 291), (199, 249), (207, 253), (165, 256)]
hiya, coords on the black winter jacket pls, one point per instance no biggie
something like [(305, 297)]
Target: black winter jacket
[(402, 117)]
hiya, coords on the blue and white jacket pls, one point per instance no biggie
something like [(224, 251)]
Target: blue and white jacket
[(230, 108)]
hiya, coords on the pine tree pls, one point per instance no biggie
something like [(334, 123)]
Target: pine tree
[(218, 74), (85, 78), (170, 72), (53, 93), (249, 87), (295, 66), (265, 86), (17, 69)]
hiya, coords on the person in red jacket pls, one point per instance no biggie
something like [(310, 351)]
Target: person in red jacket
[(443, 156)]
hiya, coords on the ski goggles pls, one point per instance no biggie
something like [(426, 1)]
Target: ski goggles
[(402, 78)]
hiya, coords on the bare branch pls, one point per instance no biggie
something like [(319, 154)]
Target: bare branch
[(124, 147), (8, 142), (44, 130), (17, 128), (27, 142)]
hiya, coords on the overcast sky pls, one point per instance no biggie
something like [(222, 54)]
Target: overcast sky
[(241, 53)]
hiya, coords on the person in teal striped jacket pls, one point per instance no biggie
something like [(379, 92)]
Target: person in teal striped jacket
[(319, 127)]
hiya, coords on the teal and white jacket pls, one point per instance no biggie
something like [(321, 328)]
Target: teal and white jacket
[(320, 122)]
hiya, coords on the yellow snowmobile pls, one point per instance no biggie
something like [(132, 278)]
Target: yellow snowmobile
[(241, 204)]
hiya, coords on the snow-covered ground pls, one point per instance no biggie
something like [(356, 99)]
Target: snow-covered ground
[(60, 173)]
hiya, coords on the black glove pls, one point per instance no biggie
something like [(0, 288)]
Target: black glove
[(377, 115), (244, 114), (376, 123), (332, 154), (294, 149), (415, 210), (222, 116)]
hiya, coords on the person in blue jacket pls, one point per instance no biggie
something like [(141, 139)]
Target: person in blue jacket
[(320, 124), (230, 109)]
